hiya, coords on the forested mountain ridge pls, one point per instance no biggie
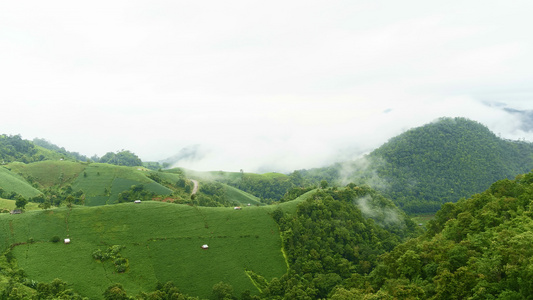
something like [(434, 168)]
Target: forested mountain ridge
[(440, 162), (448, 160), (477, 248)]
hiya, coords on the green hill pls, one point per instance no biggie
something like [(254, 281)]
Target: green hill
[(102, 183), (446, 161), (241, 197), (437, 163), (12, 184), (267, 187), (161, 242), (49, 173)]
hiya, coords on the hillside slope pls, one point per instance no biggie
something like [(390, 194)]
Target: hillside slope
[(448, 160), (477, 248), (161, 242), (12, 185), (436, 163)]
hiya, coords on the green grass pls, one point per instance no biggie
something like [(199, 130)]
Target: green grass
[(11, 182), (10, 205), (49, 173), (241, 197), (116, 179), (162, 243), (422, 219)]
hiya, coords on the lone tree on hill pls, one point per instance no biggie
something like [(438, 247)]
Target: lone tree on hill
[(21, 203)]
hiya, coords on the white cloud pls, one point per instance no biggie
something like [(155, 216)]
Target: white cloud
[(267, 85)]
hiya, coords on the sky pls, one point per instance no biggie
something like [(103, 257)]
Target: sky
[(259, 85)]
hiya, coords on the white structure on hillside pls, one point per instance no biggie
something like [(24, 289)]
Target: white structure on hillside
[(204, 246)]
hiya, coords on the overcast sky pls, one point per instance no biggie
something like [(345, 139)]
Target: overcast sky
[(260, 85)]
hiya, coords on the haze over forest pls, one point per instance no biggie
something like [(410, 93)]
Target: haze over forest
[(262, 87)]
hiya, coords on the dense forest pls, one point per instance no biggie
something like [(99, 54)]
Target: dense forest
[(428, 166), (14, 148)]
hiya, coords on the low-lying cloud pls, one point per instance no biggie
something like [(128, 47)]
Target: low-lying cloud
[(271, 86)]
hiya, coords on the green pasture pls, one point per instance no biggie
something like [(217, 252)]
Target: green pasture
[(162, 243), (12, 182), (102, 183), (50, 173), (8, 204), (241, 197)]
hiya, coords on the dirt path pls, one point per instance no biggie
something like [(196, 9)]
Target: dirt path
[(195, 188)]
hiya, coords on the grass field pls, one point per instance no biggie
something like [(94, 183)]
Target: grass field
[(10, 205), (49, 173), (102, 183), (11, 182), (422, 219), (241, 197), (162, 243)]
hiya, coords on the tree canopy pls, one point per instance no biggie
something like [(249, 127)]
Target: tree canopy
[(121, 158)]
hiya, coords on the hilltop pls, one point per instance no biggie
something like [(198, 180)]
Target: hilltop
[(439, 162)]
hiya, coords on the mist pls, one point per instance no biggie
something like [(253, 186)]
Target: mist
[(297, 143), (263, 87), (383, 215)]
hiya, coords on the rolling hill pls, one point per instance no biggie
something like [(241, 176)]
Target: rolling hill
[(12, 184), (161, 242), (439, 162)]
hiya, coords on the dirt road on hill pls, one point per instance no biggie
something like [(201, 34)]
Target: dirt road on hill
[(195, 188)]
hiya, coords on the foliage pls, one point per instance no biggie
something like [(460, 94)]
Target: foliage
[(331, 236), (21, 203), (113, 254), (121, 158), (136, 192), (116, 292), (428, 166), (269, 187), (165, 291), (478, 248), (66, 154), (14, 148), (222, 291)]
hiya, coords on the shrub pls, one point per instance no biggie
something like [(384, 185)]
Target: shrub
[(98, 255), (55, 239)]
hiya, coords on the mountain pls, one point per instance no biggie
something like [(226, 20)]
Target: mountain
[(477, 248), (439, 162)]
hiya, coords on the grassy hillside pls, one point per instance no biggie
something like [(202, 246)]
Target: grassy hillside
[(162, 242), (10, 182), (102, 183), (241, 197), (49, 173), (267, 187), (7, 204)]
